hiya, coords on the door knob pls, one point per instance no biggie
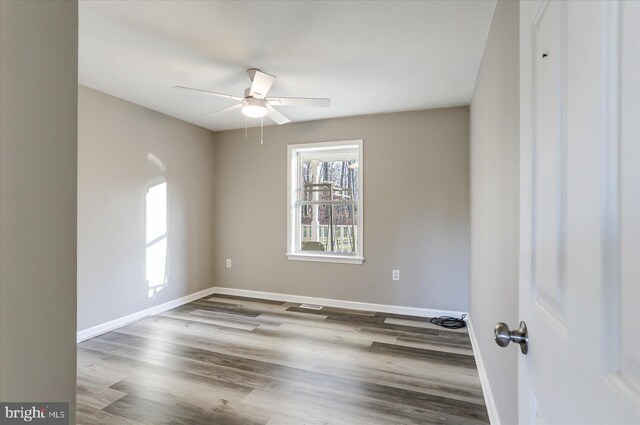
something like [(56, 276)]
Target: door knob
[(504, 336)]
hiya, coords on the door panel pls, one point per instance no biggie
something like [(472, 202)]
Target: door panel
[(547, 136), (580, 212), (627, 370)]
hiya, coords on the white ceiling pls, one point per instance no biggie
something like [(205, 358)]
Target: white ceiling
[(367, 56)]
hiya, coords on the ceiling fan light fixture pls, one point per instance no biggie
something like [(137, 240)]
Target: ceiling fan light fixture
[(254, 108)]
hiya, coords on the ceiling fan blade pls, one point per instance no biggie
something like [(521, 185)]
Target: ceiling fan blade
[(298, 101), (276, 116), (230, 108), (228, 96), (261, 84)]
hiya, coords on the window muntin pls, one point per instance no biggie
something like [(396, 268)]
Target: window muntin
[(325, 201)]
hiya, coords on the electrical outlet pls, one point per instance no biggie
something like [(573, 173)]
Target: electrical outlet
[(228, 263), (395, 275)]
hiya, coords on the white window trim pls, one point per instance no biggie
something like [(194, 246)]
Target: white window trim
[(292, 175)]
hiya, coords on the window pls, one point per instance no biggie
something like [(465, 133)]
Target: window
[(324, 219)]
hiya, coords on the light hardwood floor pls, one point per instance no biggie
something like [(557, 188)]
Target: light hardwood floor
[(235, 360)]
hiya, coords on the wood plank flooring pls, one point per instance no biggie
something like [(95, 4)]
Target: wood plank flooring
[(235, 360)]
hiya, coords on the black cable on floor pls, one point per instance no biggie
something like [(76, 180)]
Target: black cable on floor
[(449, 322)]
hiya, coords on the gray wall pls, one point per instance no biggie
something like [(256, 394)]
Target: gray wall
[(494, 203), (416, 210), (115, 139), (38, 147)]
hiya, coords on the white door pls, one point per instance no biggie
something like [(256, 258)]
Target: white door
[(580, 212)]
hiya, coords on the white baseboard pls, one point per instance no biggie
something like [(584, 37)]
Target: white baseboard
[(122, 321), (489, 401), (354, 305)]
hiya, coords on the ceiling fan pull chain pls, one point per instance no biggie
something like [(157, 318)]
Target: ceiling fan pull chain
[(245, 127), (261, 127)]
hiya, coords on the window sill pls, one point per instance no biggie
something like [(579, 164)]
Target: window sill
[(325, 258)]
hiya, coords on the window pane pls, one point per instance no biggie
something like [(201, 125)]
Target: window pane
[(329, 180), (329, 228)]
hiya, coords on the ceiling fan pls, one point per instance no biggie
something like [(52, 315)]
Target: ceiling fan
[(256, 104)]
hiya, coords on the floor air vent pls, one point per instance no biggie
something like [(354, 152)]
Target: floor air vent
[(311, 306)]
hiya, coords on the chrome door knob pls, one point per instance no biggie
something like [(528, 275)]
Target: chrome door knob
[(504, 336)]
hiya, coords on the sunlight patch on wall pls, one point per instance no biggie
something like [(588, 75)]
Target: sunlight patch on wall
[(156, 237)]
